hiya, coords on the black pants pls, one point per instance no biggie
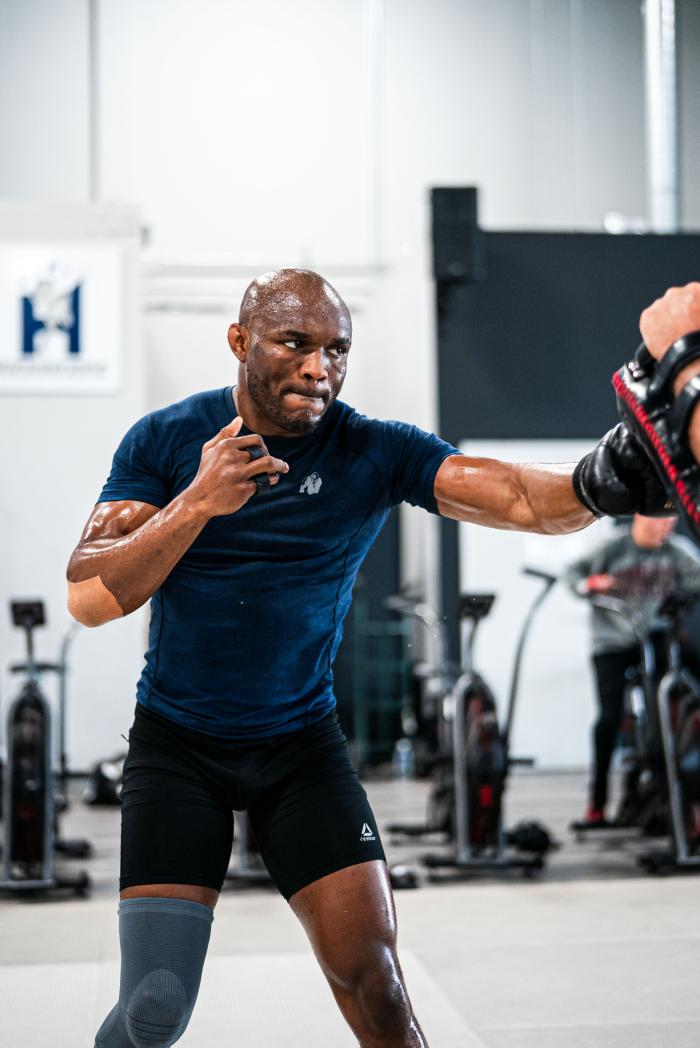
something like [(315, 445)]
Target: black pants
[(610, 669)]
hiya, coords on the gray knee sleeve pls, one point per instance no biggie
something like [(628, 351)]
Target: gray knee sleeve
[(163, 946)]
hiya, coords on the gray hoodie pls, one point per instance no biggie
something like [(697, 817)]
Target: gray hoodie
[(643, 577)]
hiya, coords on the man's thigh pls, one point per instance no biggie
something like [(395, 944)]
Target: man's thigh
[(315, 820), (175, 829)]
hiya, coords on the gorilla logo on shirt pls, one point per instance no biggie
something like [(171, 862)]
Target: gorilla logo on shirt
[(311, 484)]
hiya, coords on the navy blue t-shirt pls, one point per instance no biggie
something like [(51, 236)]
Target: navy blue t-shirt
[(245, 628)]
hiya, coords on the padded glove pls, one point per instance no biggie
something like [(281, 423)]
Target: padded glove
[(617, 479)]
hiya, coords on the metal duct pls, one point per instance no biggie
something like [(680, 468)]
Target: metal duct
[(661, 115)]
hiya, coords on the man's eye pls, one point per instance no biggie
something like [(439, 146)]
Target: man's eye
[(293, 343), (340, 350)]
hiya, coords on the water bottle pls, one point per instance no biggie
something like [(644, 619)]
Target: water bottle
[(403, 760)]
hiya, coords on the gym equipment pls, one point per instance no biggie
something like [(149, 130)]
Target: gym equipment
[(103, 787), (659, 420), (678, 711), (30, 805), (466, 802), (425, 730), (381, 683), (661, 792), (249, 870), (641, 807)]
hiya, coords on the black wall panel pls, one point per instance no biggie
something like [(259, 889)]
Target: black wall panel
[(529, 352)]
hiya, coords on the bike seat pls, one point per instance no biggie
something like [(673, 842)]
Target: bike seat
[(475, 605)]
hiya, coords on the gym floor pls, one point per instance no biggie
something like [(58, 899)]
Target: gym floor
[(591, 954)]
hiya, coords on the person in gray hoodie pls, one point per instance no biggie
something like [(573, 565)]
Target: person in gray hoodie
[(641, 567)]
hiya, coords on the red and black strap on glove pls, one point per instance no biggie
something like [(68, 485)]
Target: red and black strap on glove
[(659, 420)]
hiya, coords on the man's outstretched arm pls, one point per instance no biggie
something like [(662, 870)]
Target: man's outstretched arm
[(616, 478), (512, 496)]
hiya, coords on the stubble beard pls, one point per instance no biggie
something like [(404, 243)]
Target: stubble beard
[(270, 405)]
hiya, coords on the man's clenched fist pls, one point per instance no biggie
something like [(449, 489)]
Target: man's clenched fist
[(225, 479), (674, 314)]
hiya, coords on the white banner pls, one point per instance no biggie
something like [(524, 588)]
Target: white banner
[(61, 308)]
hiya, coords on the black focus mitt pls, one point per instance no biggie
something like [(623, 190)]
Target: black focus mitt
[(617, 479), (659, 420)]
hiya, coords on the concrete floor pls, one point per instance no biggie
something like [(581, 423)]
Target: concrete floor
[(591, 954)]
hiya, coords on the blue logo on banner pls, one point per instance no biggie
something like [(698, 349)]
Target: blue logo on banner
[(48, 310)]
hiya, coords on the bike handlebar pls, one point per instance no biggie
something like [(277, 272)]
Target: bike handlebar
[(536, 573)]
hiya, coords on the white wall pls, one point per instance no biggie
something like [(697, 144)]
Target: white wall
[(54, 456), (556, 701), (252, 135), (43, 98)]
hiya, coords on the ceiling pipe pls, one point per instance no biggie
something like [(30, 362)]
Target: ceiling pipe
[(661, 115)]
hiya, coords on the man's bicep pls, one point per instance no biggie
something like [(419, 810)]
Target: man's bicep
[(474, 490)]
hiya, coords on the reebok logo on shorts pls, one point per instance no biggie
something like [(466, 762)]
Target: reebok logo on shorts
[(367, 833)]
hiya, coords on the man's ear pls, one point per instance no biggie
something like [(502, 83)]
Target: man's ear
[(238, 340)]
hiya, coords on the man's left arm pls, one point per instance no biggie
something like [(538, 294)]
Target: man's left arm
[(616, 478), (512, 496)]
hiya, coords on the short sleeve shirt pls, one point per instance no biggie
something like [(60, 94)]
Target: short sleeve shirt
[(245, 628)]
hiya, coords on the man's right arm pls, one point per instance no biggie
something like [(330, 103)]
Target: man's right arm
[(125, 553), (129, 548)]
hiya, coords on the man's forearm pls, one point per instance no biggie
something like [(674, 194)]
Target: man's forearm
[(513, 496), (549, 500), (115, 574)]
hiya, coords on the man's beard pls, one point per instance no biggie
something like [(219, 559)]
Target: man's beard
[(272, 407)]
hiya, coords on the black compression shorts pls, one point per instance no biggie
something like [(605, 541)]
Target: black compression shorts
[(308, 811)]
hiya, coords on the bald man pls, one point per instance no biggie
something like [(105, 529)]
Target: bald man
[(244, 514)]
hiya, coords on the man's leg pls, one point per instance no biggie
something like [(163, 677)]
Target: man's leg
[(175, 847), (164, 934), (350, 919), (610, 669)]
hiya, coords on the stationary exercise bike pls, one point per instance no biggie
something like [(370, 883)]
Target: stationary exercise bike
[(466, 802), (642, 805), (678, 713), (661, 784), (31, 803)]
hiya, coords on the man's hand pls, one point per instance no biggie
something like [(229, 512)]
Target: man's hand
[(225, 479), (602, 583), (674, 314), (128, 549)]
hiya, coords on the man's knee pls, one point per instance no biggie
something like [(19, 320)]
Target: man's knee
[(158, 1011), (163, 944), (381, 995)]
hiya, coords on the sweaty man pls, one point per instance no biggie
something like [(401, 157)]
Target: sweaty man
[(244, 515)]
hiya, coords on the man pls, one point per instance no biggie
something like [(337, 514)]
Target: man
[(245, 514), (640, 567)]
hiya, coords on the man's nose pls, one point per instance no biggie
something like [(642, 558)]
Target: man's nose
[(315, 366)]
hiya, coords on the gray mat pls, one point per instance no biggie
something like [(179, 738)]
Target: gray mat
[(271, 1001), (634, 1035)]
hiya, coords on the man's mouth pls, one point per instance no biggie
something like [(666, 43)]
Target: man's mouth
[(303, 399)]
